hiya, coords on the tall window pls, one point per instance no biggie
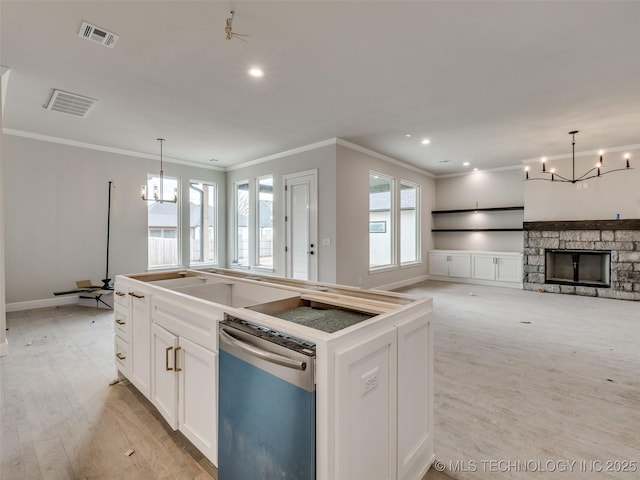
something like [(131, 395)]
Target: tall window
[(162, 222), (265, 222), (409, 222), (381, 221), (202, 223), (241, 240)]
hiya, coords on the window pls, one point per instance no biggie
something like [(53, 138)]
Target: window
[(241, 223), (202, 224), (265, 222), (162, 222), (409, 222), (381, 218)]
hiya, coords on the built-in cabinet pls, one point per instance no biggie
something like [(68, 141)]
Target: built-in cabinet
[(184, 362), (450, 264), (491, 268)]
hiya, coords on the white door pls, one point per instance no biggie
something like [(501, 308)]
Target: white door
[(164, 381), (484, 267), (460, 265), (439, 264), (301, 219), (509, 269), (198, 410)]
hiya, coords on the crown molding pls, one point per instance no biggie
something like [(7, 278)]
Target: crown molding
[(103, 148), (380, 156), (472, 172), (286, 153)]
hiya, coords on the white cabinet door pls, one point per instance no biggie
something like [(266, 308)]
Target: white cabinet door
[(164, 381), (509, 269), (460, 265), (198, 411), (415, 397), (365, 423), (140, 342), (439, 264), (483, 267)]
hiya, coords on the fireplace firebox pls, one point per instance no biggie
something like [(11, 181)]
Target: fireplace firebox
[(586, 268)]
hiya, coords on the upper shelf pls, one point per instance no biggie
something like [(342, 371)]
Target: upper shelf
[(466, 210)]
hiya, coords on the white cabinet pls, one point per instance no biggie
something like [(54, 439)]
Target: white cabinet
[(183, 388), (384, 420), (499, 267), (366, 408), (483, 267), (184, 364), (415, 397), (449, 264), (140, 317)]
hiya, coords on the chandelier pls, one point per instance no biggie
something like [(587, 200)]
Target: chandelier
[(598, 171), (158, 194)]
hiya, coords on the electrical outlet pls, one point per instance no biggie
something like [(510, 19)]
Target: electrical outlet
[(368, 381)]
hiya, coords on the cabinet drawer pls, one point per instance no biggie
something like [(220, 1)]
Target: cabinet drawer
[(188, 320), (122, 323), (121, 298), (123, 360)]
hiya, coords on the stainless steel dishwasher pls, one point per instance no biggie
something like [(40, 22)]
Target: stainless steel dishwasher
[(266, 405)]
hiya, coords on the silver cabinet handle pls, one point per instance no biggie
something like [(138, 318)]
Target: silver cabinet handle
[(120, 294), (120, 356), (120, 322), (258, 352), (137, 295)]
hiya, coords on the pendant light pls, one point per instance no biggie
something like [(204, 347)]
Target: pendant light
[(158, 194)]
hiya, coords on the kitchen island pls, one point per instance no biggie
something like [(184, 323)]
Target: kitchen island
[(373, 363)]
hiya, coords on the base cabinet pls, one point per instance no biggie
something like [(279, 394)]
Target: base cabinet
[(140, 373), (384, 423), (497, 268), (500, 268), (456, 265), (183, 383)]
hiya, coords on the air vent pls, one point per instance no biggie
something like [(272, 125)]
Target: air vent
[(97, 35), (70, 103)]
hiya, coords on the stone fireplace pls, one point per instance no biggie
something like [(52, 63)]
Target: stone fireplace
[(598, 258)]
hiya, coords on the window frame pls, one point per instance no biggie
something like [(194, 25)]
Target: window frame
[(255, 262), (418, 225), (234, 263), (391, 229), (213, 226), (178, 238)]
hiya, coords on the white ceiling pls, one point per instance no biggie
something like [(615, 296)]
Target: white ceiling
[(491, 83)]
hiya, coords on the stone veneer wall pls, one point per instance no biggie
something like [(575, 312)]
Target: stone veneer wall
[(622, 237)]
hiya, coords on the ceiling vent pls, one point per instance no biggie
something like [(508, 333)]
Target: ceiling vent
[(70, 103), (97, 35)]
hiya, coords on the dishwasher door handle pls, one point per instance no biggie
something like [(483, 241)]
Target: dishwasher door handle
[(263, 354)]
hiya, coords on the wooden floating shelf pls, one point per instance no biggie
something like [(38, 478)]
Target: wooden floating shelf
[(477, 229), (466, 210)]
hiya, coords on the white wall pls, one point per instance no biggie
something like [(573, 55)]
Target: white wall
[(3, 319), (324, 160), (352, 217), (595, 199), (484, 189), (56, 215)]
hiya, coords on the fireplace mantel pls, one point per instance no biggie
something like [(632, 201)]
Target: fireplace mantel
[(561, 225)]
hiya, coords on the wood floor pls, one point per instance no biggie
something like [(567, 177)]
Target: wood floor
[(523, 381)]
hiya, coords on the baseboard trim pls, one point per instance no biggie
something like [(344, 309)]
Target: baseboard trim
[(473, 281), (402, 283), (44, 303)]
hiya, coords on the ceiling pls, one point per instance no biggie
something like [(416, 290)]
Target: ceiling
[(489, 83)]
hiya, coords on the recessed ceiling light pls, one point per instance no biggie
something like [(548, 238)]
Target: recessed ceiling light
[(466, 164), (475, 169), (407, 135), (256, 72), (426, 141)]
